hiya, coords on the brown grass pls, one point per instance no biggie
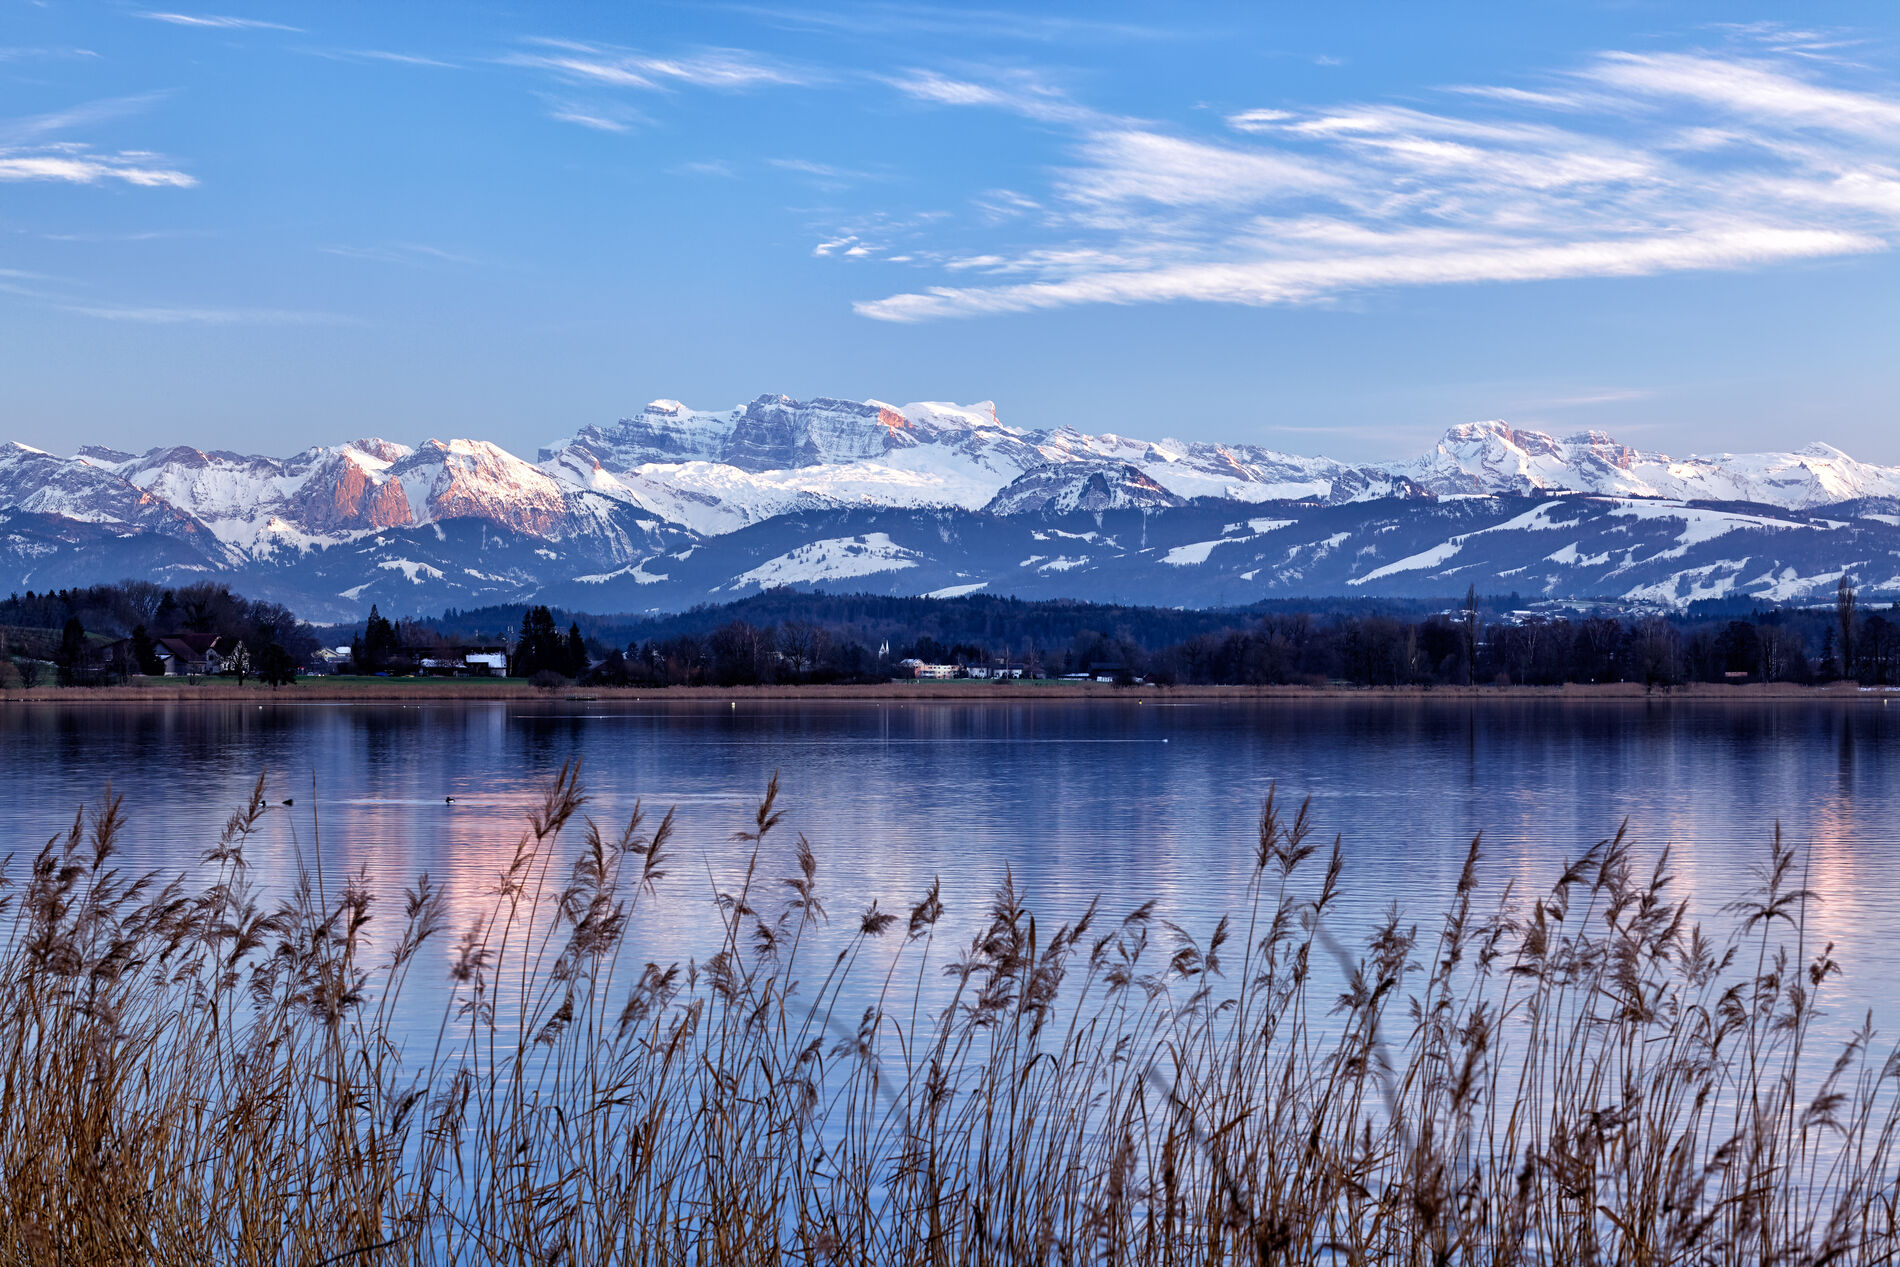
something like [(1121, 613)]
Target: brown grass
[(189, 1074), (409, 690)]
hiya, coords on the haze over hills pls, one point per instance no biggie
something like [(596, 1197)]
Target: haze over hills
[(676, 506)]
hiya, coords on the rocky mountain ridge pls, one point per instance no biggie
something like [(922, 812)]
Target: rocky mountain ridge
[(635, 512)]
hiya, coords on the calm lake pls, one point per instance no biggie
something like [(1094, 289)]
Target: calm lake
[(1134, 799)]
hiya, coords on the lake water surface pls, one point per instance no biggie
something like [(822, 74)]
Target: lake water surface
[(1136, 799)]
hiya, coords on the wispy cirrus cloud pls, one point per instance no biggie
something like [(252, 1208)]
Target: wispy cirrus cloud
[(1631, 164), (932, 20), (76, 165), (1267, 282), (600, 116), (1750, 89), (1019, 93), (829, 177), (29, 152), (58, 294), (81, 299), (614, 67), (131, 235), (399, 253), (380, 55), (590, 73), (214, 21), (1583, 400), (86, 114), (172, 315), (29, 54)]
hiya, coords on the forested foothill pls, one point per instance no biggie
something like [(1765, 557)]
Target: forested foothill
[(788, 636)]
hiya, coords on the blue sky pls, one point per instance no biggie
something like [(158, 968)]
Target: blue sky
[(1326, 228)]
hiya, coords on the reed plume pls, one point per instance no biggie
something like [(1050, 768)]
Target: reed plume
[(194, 1072)]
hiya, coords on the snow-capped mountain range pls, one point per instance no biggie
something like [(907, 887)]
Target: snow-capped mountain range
[(675, 506)]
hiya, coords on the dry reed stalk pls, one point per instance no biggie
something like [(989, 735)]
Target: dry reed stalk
[(191, 1074)]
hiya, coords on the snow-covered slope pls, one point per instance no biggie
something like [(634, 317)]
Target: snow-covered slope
[(674, 505), (1064, 488), (716, 472), (257, 504), (1239, 472), (1493, 457)]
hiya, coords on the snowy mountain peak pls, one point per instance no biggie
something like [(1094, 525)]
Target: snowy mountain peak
[(1494, 457), (635, 499), (1082, 486), (380, 450)]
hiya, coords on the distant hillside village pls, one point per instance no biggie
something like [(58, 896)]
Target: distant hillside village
[(114, 633)]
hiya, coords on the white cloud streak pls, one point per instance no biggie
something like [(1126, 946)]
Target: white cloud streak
[(923, 19), (216, 21), (598, 116), (1019, 94), (76, 165), (1290, 281), (399, 253), (86, 114), (608, 66), (190, 316), (1634, 164), (1751, 89), (380, 55), (26, 54)]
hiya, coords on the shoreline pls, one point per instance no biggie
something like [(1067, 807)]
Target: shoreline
[(473, 690)]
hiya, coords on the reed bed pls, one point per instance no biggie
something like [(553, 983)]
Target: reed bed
[(190, 1073)]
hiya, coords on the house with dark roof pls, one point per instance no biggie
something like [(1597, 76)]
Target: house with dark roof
[(189, 653)]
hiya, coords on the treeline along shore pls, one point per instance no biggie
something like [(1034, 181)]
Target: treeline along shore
[(204, 638)]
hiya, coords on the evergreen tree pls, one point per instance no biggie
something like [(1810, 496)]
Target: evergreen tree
[(373, 652), (71, 656), (1844, 614), (575, 652), (145, 652), (540, 648)]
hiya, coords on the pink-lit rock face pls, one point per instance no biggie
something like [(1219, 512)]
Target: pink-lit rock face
[(471, 479), (355, 497), (640, 504)]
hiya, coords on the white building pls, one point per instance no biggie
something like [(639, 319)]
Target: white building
[(912, 667)]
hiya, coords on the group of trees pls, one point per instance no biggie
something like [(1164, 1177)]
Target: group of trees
[(739, 653), (101, 632), (817, 638), (378, 646), (870, 620), (541, 649), (1457, 647)]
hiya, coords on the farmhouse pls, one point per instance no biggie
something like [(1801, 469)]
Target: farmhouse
[(189, 653)]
